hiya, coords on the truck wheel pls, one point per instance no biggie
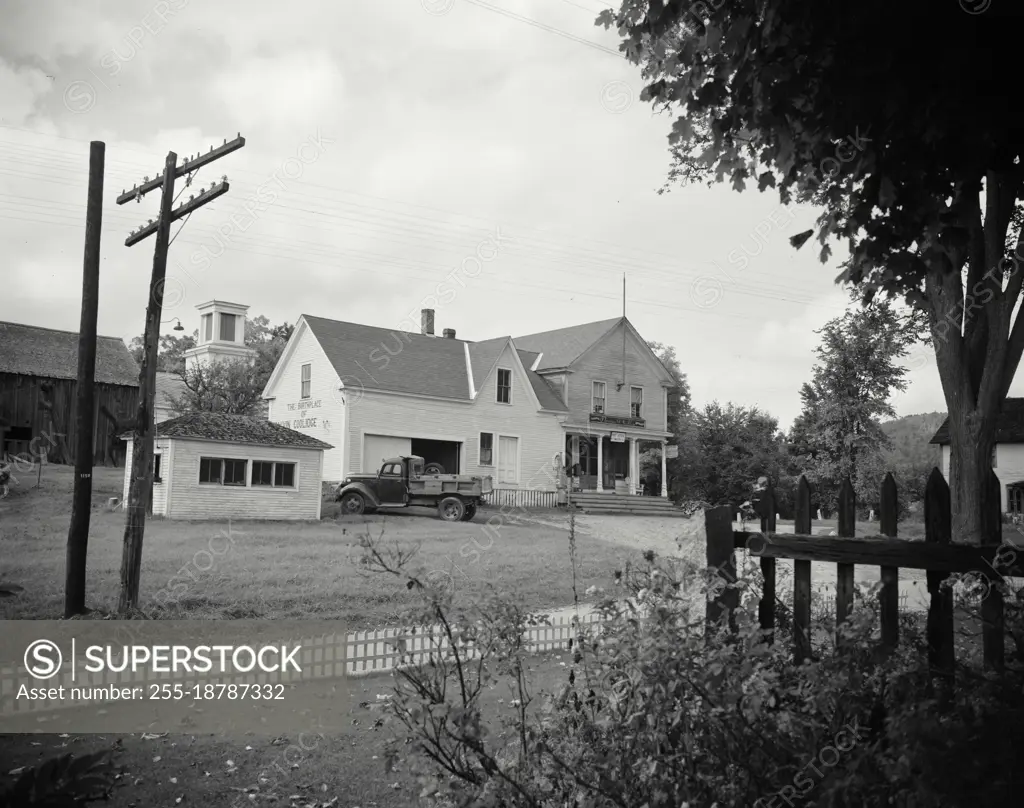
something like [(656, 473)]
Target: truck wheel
[(470, 512), (434, 468), (352, 504), (451, 509)]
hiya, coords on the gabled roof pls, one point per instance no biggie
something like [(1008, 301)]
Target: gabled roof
[(416, 363), (371, 358), (219, 426), (29, 350), (563, 346), (1009, 424)]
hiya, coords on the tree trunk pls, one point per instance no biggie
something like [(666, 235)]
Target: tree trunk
[(970, 460)]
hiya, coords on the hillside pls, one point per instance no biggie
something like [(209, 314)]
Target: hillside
[(910, 435)]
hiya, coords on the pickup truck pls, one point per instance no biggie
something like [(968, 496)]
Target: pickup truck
[(401, 482)]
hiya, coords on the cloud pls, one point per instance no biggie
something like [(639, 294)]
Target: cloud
[(275, 94), (20, 89)]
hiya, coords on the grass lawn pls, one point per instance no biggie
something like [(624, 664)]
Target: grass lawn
[(281, 570), (275, 571), (912, 529)]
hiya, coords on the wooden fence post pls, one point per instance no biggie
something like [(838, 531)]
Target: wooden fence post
[(844, 572), (766, 606), (938, 530), (721, 554), (802, 577), (992, 617), (889, 597)]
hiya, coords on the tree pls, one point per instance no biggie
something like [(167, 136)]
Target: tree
[(723, 450), (171, 355), (908, 147), (840, 430), (233, 386), (230, 386)]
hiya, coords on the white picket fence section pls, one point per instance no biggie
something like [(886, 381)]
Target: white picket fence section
[(521, 498), (369, 652)]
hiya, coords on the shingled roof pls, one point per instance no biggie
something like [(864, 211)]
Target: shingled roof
[(28, 350), (219, 426), (371, 358), (1009, 424), (563, 346)]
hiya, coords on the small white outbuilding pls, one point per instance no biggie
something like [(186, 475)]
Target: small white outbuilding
[(218, 466)]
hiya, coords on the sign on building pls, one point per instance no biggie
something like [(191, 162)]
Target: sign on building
[(618, 437)]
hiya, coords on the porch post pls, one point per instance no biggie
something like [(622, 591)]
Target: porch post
[(664, 476), (600, 462), (632, 465)]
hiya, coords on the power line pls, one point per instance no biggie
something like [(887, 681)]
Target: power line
[(291, 256), (321, 250), (589, 258), (544, 27)]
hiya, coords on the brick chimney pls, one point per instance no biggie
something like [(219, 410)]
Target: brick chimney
[(427, 321), (449, 333)]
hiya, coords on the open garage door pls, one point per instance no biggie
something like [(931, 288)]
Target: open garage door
[(444, 452), (378, 447)]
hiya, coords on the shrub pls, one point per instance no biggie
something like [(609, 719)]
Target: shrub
[(657, 710)]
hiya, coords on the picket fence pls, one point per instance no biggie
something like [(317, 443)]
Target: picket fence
[(936, 555), (521, 498)]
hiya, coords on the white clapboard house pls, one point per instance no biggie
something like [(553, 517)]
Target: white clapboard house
[(566, 407), (218, 466)]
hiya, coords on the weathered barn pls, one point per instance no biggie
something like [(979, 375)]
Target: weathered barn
[(39, 394)]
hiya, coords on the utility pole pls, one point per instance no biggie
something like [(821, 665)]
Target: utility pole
[(78, 532), (141, 482)]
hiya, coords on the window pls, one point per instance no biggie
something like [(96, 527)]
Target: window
[(636, 402), (270, 473), (262, 472), (284, 475), (307, 374), (156, 468), (486, 448), (207, 327), (597, 397), (391, 470), (210, 470), (227, 327), (234, 472), (222, 471), (504, 386)]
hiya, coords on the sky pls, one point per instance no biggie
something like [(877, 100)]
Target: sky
[(489, 159)]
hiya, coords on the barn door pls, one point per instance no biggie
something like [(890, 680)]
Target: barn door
[(508, 460)]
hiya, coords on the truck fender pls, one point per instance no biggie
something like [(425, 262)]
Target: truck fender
[(368, 495)]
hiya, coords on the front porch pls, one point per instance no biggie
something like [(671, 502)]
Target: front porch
[(606, 460)]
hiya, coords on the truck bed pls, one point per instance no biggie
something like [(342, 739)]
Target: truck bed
[(449, 484)]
